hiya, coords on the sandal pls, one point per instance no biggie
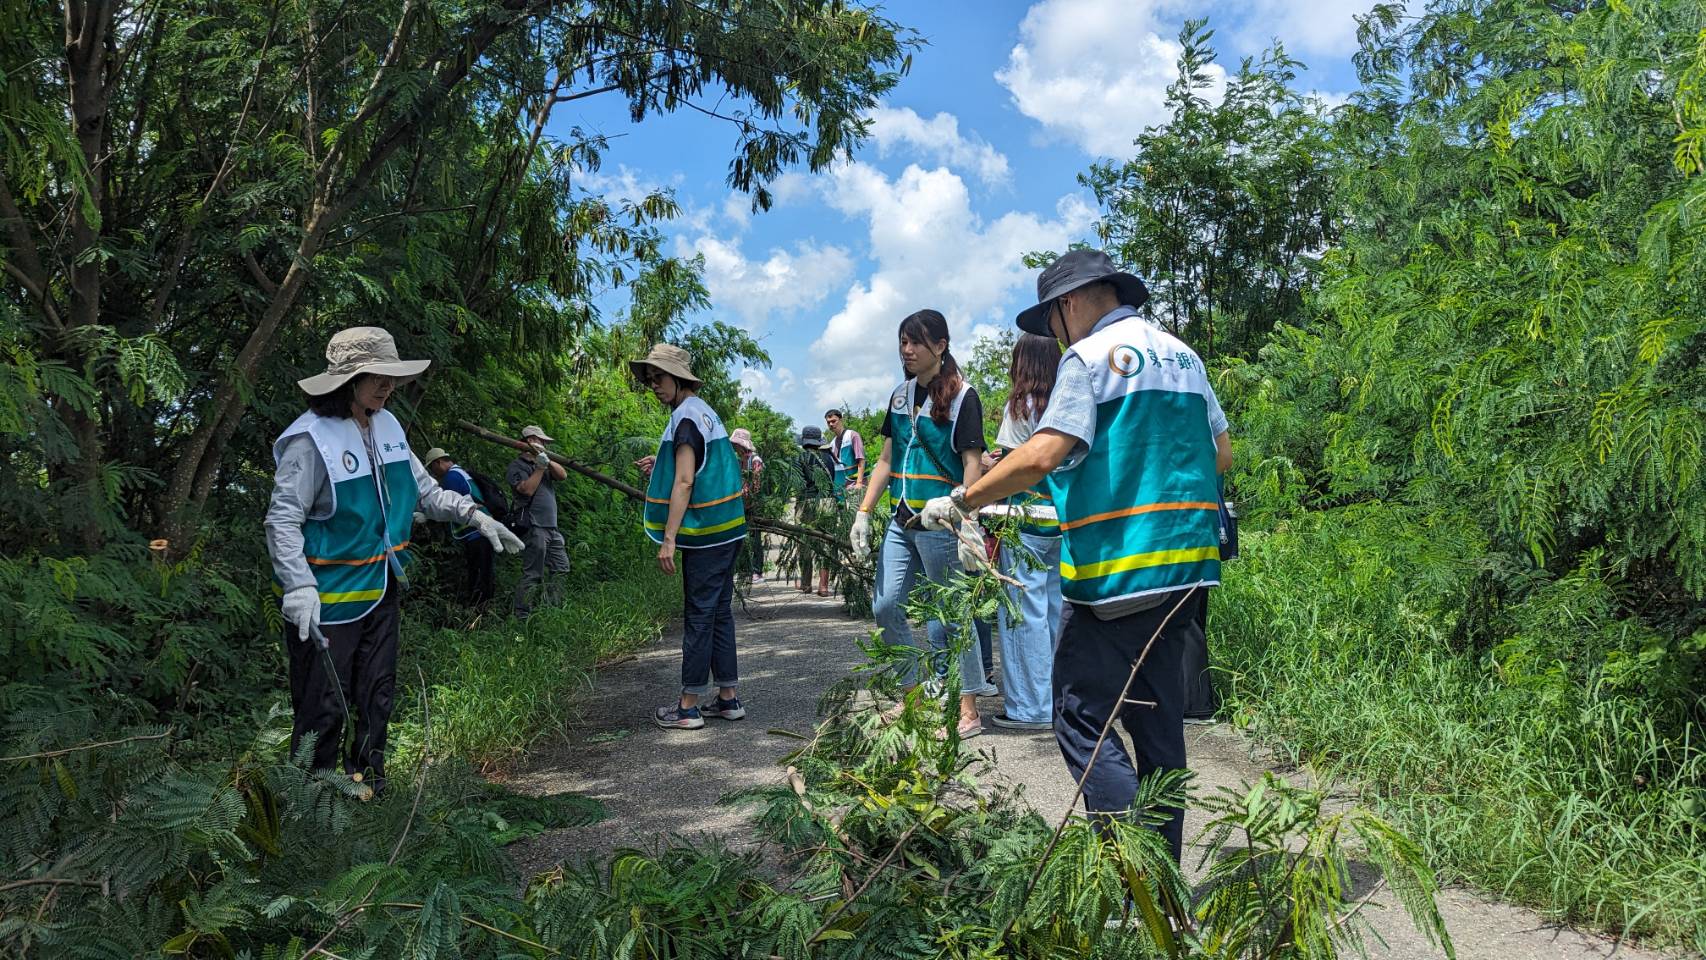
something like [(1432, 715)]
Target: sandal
[(966, 733)]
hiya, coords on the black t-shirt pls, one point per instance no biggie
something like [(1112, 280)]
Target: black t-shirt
[(687, 433), (968, 430)]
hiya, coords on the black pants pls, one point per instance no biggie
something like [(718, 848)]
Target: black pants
[(364, 654), (708, 618), (481, 563), (1091, 663), (1200, 701)]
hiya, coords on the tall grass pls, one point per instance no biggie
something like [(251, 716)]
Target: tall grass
[(1546, 763), (500, 686)]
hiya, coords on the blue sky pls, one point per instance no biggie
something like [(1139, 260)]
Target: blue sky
[(973, 161)]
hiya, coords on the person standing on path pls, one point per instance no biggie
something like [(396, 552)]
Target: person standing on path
[(817, 484), (479, 560), (1027, 648), (847, 449), (932, 440), (545, 562), (344, 495), (750, 565), (693, 502), (1129, 423)]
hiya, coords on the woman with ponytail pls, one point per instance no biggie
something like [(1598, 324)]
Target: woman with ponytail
[(932, 442)]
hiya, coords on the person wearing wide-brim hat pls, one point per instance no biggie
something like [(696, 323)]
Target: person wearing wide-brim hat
[(694, 504), (344, 496), (816, 469), (1138, 437)]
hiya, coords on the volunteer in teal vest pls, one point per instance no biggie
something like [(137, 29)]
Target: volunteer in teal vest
[(694, 504), (847, 449), (344, 496), (480, 576), (1128, 426), (932, 440)]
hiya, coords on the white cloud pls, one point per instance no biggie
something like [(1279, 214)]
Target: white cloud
[(1324, 28), (753, 290), (626, 184), (930, 250), (937, 139), (1096, 71)]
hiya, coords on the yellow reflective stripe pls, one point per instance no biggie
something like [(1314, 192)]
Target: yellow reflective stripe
[(352, 596), (1137, 561), (701, 531)]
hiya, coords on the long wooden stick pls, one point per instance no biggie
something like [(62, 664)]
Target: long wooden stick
[(765, 524)]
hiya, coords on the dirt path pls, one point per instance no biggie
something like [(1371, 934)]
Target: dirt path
[(791, 648)]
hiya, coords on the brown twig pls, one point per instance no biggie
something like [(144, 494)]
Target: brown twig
[(869, 879), (47, 755)]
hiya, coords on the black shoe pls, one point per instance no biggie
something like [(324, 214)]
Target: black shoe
[(1003, 720), (724, 709)]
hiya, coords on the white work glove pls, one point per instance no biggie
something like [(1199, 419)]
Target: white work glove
[(861, 536), (973, 557), (540, 457), (939, 513), (302, 607), (420, 518), (502, 540)]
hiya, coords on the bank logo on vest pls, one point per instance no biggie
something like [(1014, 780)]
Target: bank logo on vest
[(1125, 360), (350, 462), (898, 403), (705, 424)]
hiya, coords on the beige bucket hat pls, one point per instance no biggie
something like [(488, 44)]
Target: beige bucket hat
[(669, 358), (360, 350), (436, 453), (533, 430)]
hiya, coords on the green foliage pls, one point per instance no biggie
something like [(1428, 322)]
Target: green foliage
[(1226, 207)]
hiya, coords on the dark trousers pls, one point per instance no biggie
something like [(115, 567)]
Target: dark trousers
[(481, 563), (1200, 701), (364, 655), (708, 618), (1091, 663)]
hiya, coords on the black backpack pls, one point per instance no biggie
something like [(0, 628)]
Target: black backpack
[(490, 495)]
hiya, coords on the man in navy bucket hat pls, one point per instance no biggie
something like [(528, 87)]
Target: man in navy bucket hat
[(1132, 443)]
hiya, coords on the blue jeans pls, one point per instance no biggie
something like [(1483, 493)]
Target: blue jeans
[(708, 618), (905, 553), (1027, 649)]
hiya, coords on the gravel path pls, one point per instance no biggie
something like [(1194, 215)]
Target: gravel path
[(791, 648)]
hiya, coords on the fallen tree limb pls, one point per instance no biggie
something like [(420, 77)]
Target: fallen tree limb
[(764, 524)]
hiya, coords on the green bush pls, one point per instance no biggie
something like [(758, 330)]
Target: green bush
[(1558, 767)]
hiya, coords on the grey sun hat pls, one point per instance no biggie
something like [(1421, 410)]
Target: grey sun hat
[(1072, 270), (811, 437), (669, 358), (436, 453), (356, 351), (532, 430)]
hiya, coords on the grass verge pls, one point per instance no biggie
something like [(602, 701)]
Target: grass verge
[(1547, 763)]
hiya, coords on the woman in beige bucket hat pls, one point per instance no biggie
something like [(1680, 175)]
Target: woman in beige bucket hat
[(344, 496), (693, 504)]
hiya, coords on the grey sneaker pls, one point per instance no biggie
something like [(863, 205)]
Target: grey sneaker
[(678, 717), (723, 709)]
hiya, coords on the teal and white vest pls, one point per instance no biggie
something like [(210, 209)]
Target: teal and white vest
[(842, 447), (918, 445), (354, 552), (1139, 514), (715, 513), (1039, 496)]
